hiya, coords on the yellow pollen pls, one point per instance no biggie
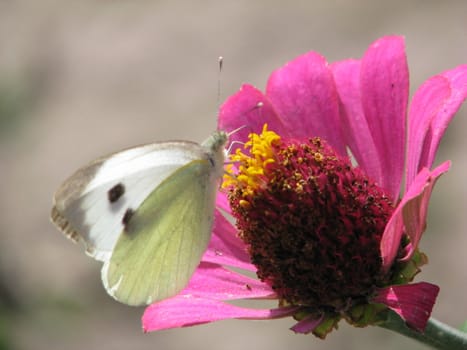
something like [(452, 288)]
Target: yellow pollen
[(245, 204), (252, 162), (318, 157)]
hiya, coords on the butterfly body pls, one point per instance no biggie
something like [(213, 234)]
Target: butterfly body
[(146, 212)]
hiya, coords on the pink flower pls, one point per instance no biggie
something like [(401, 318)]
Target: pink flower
[(355, 105)]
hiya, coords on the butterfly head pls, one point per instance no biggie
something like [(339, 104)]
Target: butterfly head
[(215, 149), (216, 141)]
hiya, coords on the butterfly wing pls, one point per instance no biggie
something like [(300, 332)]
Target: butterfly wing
[(163, 240), (90, 206)]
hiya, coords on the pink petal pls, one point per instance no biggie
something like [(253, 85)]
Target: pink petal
[(225, 248), (184, 311), (354, 125), (385, 88), (432, 109), (412, 302), (304, 94), (222, 201), (416, 209), (411, 213), (428, 100), (307, 325), (212, 281), (249, 110)]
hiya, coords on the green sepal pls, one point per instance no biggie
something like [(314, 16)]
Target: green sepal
[(366, 314), (329, 323), (406, 271)]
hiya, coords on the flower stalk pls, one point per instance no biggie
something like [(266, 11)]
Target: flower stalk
[(437, 334)]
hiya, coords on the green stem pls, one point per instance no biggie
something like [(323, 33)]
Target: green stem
[(437, 334)]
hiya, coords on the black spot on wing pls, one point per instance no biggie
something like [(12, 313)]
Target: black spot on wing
[(116, 192), (127, 216)]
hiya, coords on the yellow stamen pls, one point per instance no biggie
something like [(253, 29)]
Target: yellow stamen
[(253, 163)]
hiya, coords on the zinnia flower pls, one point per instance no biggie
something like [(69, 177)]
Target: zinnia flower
[(329, 193)]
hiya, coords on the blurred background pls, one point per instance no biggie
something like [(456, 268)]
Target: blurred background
[(79, 79)]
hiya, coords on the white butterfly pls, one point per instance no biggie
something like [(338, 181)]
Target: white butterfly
[(146, 212)]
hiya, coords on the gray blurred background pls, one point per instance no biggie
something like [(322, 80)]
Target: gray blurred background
[(79, 79)]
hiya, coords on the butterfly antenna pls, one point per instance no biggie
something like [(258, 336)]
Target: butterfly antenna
[(236, 130), (219, 85), (256, 106), (233, 144)]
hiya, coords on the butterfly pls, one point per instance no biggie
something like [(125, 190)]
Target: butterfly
[(146, 213)]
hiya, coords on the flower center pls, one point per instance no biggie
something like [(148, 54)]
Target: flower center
[(312, 222)]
